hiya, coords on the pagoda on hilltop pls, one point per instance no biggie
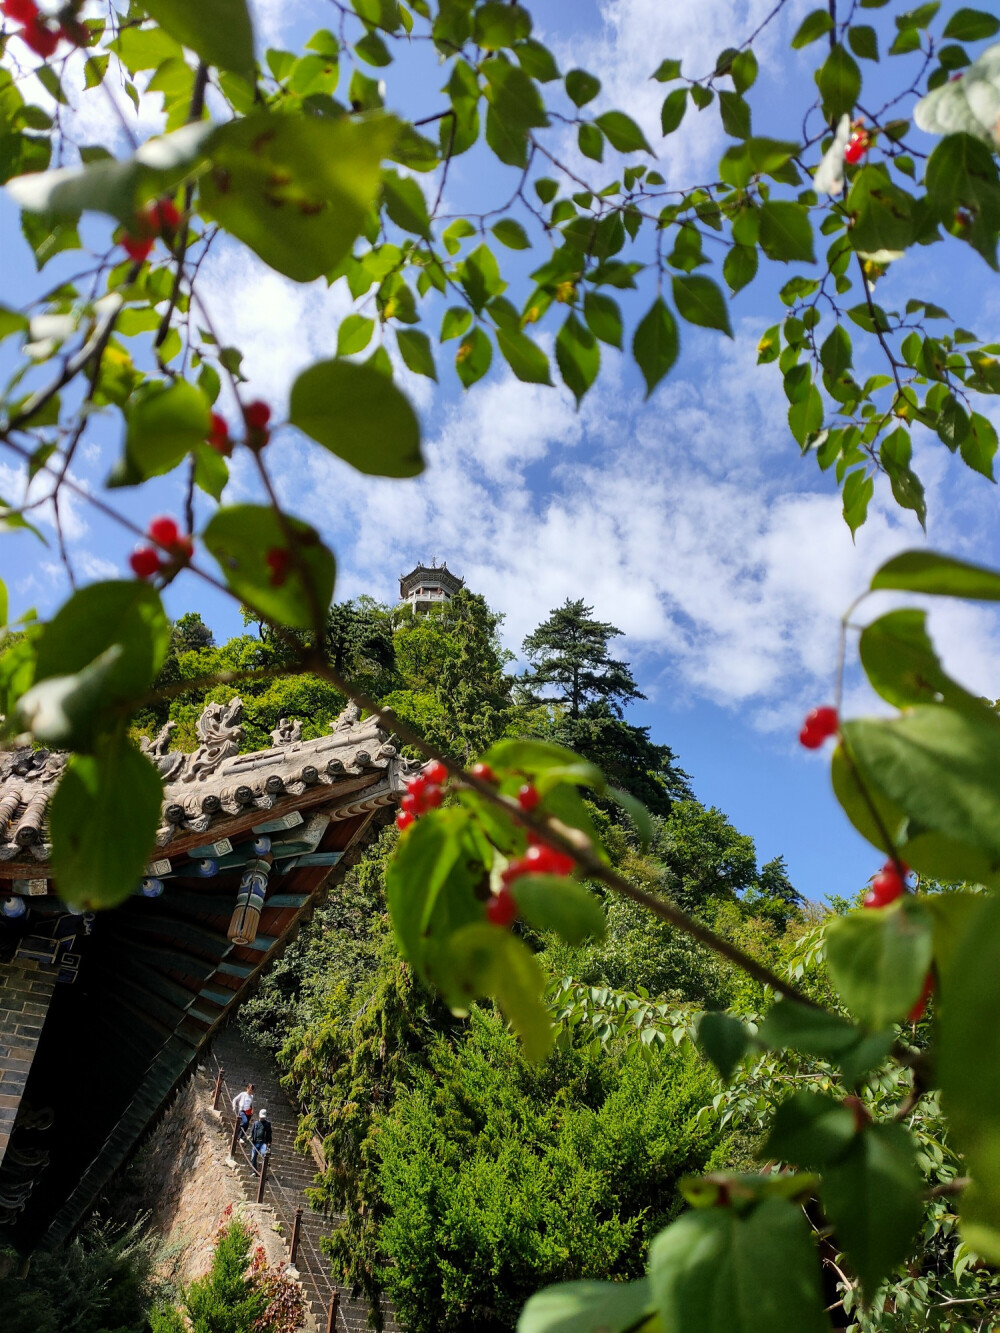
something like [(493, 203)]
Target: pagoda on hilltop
[(428, 586)]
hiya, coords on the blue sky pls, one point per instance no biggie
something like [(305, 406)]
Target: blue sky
[(690, 521)]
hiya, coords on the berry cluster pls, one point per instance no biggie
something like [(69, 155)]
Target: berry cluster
[(857, 145), (888, 885), (164, 532), (256, 416), (540, 859), (37, 32), (424, 792), (820, 724), (161, 218)]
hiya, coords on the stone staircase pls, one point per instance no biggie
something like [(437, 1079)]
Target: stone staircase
[(290, 1173)]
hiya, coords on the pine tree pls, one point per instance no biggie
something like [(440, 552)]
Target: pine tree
[(227, 1300), (570, 651)]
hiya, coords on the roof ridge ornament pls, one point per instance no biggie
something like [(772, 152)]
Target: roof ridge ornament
[(287, 732), (220, 737)]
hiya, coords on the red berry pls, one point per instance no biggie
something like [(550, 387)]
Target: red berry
[(409, 804), (501, 909), (164, 532), (917, 1012), (145, 562), (483, 772), (218, 435), (545, 860), (857, 146), (515, 869), (886, 888), (898, 866), (164, 215), (42, 39), (417, 785), (819, 724), (433, 798), (21, 11), (528, 797), (257, 415), (137, 248), (404, 819), (278, 560), (435, 772)]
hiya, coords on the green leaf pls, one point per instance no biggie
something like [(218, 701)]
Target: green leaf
[(510, 233), (835, 354), (622, 132), (474, 356), (810, 1130), (895, 453), (882, 213), (672, 112), (937, 575), (405, 203), (902, 666), (103, 821), (967, 1067), (812, 27), (587, 1307), (111, 186), (515, 108), (372, 50), (582, 87), (700, 301), (863, 41), (164, 423), (655, 344), (926, 850), (218, 30), (979, 447), (859, 488), (724, 1039), (485, 960), (971, 25), (455, 320), (210, 471), (578, 356), (127, 614), (878, 960), (550, 902), (667, 70), (240, 538), (66, 711), (735, 113), (525, 358), (740, 266), (603, 317), (800, 1027), (297, 189), (590, 141), (498, 25), (354, 334), (360, 416), (873, 1196), (545, 763), (786, 232), (636, 811), (939, 766), (716, 1271), (743, 70), (839, 81), (415, 349)]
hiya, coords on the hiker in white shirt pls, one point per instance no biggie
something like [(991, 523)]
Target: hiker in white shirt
[(243, 1106)]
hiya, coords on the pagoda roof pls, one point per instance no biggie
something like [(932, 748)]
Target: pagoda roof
[(439, 574)]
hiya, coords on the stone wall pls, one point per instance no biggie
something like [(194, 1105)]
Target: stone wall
[(26, 988)]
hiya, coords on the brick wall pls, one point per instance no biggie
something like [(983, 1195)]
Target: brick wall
[(26, 988)]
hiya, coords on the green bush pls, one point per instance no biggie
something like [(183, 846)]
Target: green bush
[(104, 1281), (499, 1176), (227, 1299)]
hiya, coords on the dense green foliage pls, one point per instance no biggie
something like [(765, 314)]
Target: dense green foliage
[(498, 1174), (104, 1281)]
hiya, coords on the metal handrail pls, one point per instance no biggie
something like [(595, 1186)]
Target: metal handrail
[(319, 1268)]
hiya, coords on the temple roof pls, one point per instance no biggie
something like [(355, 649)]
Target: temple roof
[(209, 789)]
